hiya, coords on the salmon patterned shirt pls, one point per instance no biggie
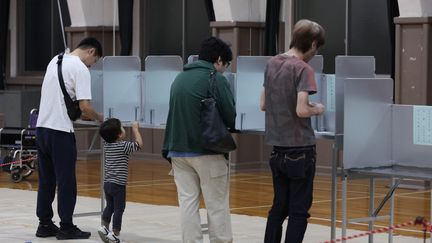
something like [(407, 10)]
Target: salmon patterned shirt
[(285, 76)]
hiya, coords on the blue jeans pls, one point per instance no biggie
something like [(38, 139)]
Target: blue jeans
[(115, 196), (293, 171)]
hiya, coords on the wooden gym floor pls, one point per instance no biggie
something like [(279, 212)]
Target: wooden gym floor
[(251, 193)]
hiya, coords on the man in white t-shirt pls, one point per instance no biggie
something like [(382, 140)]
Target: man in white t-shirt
[(57, 152)]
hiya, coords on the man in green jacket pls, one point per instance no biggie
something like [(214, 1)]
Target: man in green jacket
[(195, 169)]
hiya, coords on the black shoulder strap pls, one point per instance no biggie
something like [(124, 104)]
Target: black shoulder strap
[(67, 98), (212, 84)]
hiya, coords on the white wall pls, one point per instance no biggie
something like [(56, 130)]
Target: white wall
[(287, 16), (93, 12), (415, 8), (254, 11), (240, 10)]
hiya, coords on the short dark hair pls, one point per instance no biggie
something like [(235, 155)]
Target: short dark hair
[(91, 42), (304, 33), (212, 48), (110, 129)]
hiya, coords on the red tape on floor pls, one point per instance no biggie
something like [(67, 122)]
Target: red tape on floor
[(19, 161), (418, 221)]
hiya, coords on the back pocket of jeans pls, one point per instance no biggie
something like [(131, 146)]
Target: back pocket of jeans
[(295, 165)]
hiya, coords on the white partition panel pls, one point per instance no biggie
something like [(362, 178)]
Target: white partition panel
[(249, 83), (317, 63), (412, 135), (328, 95), (349, 67), (192, 58), (231, 78), (96, 74), (160, 72), (367, 122), (121, 87)]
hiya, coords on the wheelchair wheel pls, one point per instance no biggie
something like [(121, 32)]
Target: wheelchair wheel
[(16, 175), (28, 168), (26, 171)]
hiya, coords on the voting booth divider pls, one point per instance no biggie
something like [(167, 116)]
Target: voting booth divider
[(376, 136)]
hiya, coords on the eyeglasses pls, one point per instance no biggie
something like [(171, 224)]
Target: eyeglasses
[(227, 64)]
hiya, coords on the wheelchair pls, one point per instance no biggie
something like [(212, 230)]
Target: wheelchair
[(21, 151)]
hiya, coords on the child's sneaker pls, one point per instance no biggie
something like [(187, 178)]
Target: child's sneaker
[(103, 233), (112, 238)]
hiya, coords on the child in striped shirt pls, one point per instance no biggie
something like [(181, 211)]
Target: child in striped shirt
[(117, 152)]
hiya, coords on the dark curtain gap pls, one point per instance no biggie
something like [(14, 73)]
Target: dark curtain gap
[(210, 10), (272, 27), (392, 12), (65, 13), (4, 29), (125, 8)]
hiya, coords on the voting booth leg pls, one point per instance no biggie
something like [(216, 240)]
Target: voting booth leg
[(335, 158), (430, 212), (371, 206), (391, 221), (102, 177), (344, 205)]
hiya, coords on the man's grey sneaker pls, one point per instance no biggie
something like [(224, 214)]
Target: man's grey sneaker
[(47, 230), (72, 233), (112, 238), (103, 232)]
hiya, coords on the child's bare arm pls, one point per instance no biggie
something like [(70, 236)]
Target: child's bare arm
[(136, 133)]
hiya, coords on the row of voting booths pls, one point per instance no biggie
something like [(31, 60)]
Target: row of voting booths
[(378, 138)]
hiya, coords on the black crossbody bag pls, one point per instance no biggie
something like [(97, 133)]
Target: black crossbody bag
[(214, 134), (72, 107)]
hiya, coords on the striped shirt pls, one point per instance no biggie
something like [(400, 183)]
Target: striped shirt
[(116, 161)]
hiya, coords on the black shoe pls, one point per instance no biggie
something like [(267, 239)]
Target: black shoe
[(72, 233), (47, 230)]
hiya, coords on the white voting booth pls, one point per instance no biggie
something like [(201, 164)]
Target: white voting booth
[(378, 138), (249, 81), (382, 139)]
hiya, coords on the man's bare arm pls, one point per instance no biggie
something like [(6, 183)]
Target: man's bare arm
[(306, 109), (262, 100), (88, 112)]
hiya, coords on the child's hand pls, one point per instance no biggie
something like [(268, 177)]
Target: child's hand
[(136, 133), (135, 125)]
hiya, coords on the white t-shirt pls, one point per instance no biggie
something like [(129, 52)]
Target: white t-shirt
[(52, 108)]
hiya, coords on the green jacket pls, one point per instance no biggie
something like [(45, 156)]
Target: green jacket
[(183, 133)]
